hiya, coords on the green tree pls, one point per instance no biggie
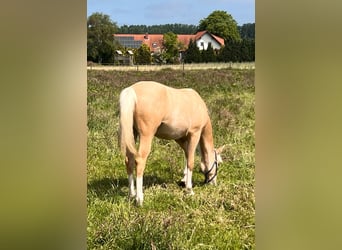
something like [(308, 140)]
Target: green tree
[(222, 24), (252, 50), (158, 29), (247, 31), (237, 51), (100, 42), (208, 55), (192, 54), (143, 55), (229, 53), (171, 45)]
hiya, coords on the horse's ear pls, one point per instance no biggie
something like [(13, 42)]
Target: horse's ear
[(220, 149)]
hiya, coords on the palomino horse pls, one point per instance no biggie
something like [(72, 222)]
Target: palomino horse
[(151, 109)]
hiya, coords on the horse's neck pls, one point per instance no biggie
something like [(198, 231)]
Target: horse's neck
[(207, 143)]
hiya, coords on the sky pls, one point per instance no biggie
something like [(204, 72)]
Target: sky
[(151, 12)]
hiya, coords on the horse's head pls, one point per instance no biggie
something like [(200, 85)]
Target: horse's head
[(210, 170)]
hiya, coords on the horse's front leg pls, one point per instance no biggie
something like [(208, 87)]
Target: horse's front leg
[(183, 143), (188, 182), (185, 171), (190, 156)]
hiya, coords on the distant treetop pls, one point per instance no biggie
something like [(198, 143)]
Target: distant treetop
[(176, 28), (247, 31), (222, 24)]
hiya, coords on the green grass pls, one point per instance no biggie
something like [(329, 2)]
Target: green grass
[(216, 217)]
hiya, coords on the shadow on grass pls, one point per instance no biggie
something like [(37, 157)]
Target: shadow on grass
[(105, 187)]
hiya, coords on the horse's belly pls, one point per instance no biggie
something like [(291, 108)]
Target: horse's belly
[(170, 132)]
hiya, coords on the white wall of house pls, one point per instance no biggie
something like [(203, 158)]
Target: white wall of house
[(203, 42)]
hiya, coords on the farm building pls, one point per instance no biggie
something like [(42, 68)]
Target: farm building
[(155, 41)]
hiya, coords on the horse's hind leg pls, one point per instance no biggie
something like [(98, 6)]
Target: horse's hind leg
[(144, 150), (130, 162)]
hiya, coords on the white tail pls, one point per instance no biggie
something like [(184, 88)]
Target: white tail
[(127, 103)]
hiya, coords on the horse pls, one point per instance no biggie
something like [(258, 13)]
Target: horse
[(149, 109)]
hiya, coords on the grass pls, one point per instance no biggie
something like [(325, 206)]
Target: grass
[(216, 217), (187, 66)]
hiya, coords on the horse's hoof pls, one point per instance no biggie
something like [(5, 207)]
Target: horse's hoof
[(132, 195), (190, 192), (139, 200)]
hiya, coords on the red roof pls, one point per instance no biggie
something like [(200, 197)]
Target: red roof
[(155, 41)]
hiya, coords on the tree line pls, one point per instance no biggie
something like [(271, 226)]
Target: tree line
[(246, 31), (239, 40), (233, 51), (158, 29)]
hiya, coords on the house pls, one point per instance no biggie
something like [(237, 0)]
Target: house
[(203, 38), (155, 41)]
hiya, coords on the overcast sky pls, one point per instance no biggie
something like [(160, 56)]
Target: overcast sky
[(149, 12)]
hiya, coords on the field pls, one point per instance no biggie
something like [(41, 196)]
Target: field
[(191, 66), (216, 217)]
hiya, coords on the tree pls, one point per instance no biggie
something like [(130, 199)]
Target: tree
[(100, 42), (222, 24), (192, 54), (208, 55), (158, 29), (238, 51), (143, 55), (225, 54), (170, 44), (252, 49), (247, 31)]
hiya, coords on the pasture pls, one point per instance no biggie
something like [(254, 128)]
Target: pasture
[(190, 66), (216, 217)]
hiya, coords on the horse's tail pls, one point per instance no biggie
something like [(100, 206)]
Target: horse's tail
[(127, 103)]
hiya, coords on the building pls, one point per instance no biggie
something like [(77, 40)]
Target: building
[(121, 59), (155, 41)]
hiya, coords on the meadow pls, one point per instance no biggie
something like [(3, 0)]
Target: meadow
[(187, 66), (216, 217)]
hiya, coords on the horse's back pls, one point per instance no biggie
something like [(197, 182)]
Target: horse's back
[(163, 98), (171, 113)]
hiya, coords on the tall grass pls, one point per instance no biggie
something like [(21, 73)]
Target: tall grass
[(216, 217), (188, 66)]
